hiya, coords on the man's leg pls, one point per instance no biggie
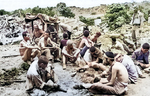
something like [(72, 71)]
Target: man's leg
[(48, 54), (64, 62), (57, 53), (36, 53), (84, 50), (27, 55), (101, 88), (139, 71)]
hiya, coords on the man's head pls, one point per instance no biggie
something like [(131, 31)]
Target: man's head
[(92, 50), (98, 34), (36, 27), (145, 47), (109, 57), (65, 36), (42, 62), (24, 35), (86, 33), (70, 44)]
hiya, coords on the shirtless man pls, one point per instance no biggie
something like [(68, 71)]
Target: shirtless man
[(70, 53), (26, 50), (95, 36), (47, 46), (85, 43), (117, 80), (37, 34)]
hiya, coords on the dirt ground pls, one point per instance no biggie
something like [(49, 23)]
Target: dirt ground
[(141, 88)]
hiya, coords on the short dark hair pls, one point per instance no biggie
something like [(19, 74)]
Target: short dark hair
[(86, 33), (42, 59), (24, 34), (65, 35), (145, 46), (113, 39), (92, 49)]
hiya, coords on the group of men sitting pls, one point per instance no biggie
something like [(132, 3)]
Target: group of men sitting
[(123, 69)]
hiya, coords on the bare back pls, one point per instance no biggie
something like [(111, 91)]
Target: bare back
[(121, 72)]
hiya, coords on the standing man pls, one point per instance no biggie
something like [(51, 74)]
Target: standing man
[(140, 58)]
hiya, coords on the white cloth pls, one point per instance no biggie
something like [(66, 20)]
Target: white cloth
[(87, 57)]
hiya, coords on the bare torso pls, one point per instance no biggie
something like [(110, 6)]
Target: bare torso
[(121, 72)]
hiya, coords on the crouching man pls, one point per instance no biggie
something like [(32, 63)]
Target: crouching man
[(40, 75), (117, 80), (70, 53)]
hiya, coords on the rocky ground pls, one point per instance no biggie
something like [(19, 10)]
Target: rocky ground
[(141, 88)]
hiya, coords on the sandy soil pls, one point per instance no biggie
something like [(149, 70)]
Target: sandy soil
[(141, 88)]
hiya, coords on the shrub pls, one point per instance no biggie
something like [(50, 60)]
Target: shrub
[(87, 21)]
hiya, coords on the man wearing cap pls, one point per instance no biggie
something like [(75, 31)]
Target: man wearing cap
[(117, 80), (140, 58)]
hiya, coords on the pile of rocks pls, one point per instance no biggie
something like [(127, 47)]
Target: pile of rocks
[(11, 28)]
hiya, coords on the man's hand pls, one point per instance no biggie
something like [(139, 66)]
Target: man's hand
[(89, 64)]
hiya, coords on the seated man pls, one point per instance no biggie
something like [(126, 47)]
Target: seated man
[(93, 57), (129, 64), (26, 50), (39, 75), (47, 47), (117, 80), (70, 53), (140, 58), (37, 34), (85, 43), (64, 41), (95, 36)]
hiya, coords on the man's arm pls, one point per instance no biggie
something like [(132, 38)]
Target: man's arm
[(113, 76), (64, 52)]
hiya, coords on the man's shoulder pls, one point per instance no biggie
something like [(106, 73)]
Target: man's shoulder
[(137, 50)]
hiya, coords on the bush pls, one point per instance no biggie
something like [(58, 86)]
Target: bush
[(116, 16), (94, 13), (87, 21), (64, 11)]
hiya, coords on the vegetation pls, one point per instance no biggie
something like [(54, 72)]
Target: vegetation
[(3, 12), (64, 11), (87, 21), (116, 16), (9, 76)]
